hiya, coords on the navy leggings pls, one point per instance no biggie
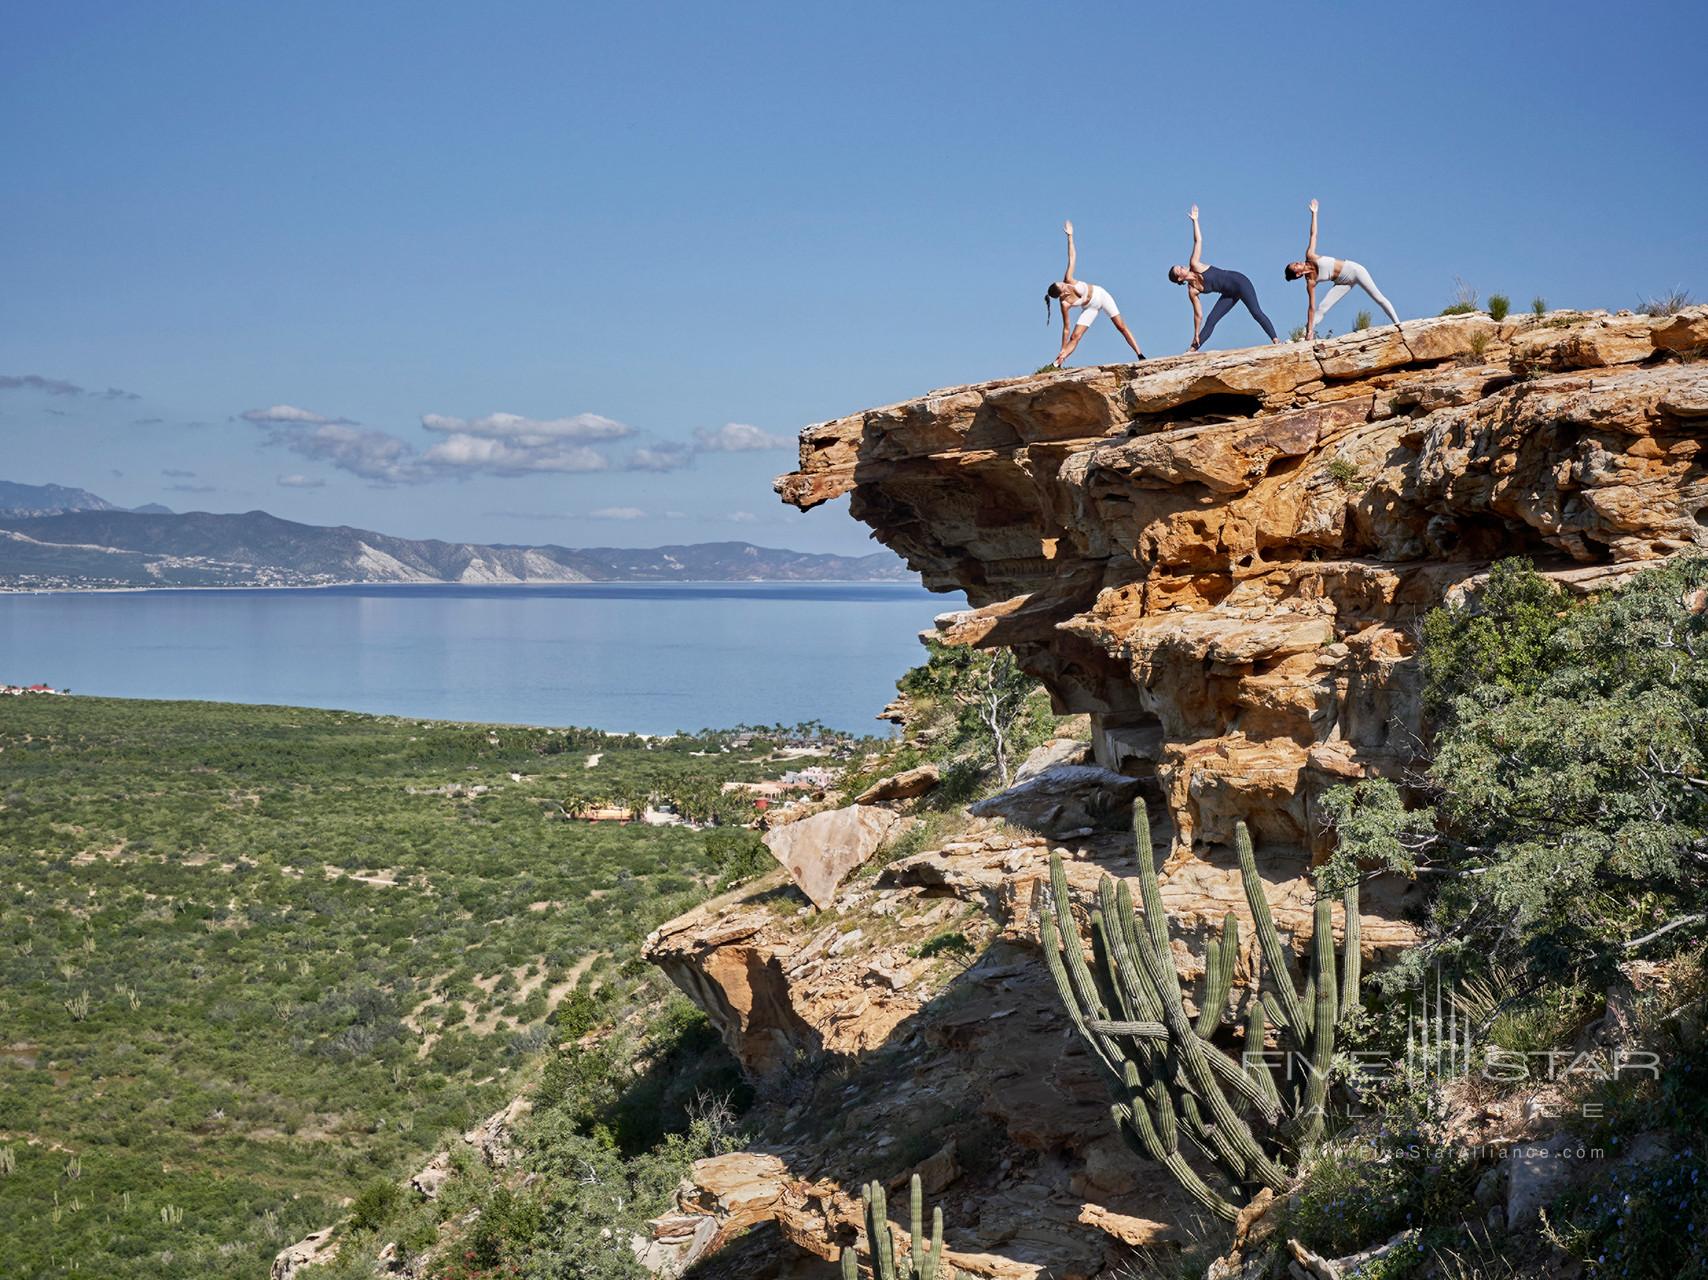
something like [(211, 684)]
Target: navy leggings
[(1235, 287)]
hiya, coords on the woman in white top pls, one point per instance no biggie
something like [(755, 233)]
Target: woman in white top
[(1342, 273), (1093, 300)]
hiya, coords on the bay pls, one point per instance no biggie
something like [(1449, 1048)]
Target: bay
[(639, 657)]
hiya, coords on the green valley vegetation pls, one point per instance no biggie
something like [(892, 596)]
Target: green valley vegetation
[(261, 960), (635, 1083)]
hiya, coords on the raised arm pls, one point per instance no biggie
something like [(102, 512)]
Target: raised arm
[(1197, 262), (1311, 248), (1068, 278)]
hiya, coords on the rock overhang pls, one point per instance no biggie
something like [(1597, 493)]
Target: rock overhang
[(1224, 556)]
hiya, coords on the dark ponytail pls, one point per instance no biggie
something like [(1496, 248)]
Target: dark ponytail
[(1054, 291)]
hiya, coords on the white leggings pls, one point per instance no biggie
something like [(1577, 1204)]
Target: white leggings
[(1353, 274)]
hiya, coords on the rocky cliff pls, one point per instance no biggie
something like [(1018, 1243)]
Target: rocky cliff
[(1220, 559), (1221, 556)]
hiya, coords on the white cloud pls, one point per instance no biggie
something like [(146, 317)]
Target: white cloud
[(476, 454), (737, 437), (617, 513), (373, 455), (499, 444), (295, 481), (290, 415), (35, 382), (59, 387), (743, 517), (530, 431)]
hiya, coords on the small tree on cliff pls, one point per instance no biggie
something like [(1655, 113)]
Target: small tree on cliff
[(999, 702), (988, 695)]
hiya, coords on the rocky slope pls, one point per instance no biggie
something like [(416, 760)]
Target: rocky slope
[(1220, 559)]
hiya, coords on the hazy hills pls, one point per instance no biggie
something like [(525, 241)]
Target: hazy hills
[(51, 536)]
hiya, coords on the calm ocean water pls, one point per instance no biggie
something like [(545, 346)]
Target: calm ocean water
[(626, 656)]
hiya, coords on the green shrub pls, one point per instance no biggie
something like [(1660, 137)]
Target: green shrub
[(1498, 640), (1645, 1222), (1459, 309), (374, 1205), (1538, 306), (945, 944), (1566, 734), (738, 854), (1357, 1192), (1362, 321), (1499, 305), (1344, 472)]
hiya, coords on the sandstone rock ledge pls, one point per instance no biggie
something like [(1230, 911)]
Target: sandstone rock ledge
[(1221, 556)]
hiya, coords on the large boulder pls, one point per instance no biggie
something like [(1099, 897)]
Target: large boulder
[(1064, 799), (906, 785), (1055, 751), (313, 1250), (495, 1136), (822, 851)]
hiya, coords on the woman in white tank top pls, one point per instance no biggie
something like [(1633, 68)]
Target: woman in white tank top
[(1342, 273), (1092, 300)]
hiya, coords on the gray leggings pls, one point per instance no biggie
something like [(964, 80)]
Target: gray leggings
[(1354, 275)]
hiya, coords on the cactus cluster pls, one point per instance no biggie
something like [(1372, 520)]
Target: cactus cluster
[(889, 1261), (1168, 1076)]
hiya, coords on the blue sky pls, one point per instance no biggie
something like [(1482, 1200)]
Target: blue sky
[(509, 272)]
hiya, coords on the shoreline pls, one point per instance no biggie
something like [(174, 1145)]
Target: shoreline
[(584, 582), (456, 722)]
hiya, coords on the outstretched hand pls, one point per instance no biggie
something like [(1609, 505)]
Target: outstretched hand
[(1193, 213), (1313, 206), (1067, 226)]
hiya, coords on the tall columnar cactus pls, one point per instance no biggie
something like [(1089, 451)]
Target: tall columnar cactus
[(1167, 1075), (889, 1261)]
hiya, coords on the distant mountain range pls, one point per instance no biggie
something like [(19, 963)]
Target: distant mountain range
[(52, 499), (52, 536)]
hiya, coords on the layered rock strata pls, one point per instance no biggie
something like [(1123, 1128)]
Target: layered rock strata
[(1222, 557)]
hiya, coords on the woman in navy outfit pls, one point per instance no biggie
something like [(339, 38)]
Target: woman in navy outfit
[(1229, 286)]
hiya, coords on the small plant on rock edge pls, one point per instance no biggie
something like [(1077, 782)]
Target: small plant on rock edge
[(1465, 299), (1345, 473), (1669, 303)]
